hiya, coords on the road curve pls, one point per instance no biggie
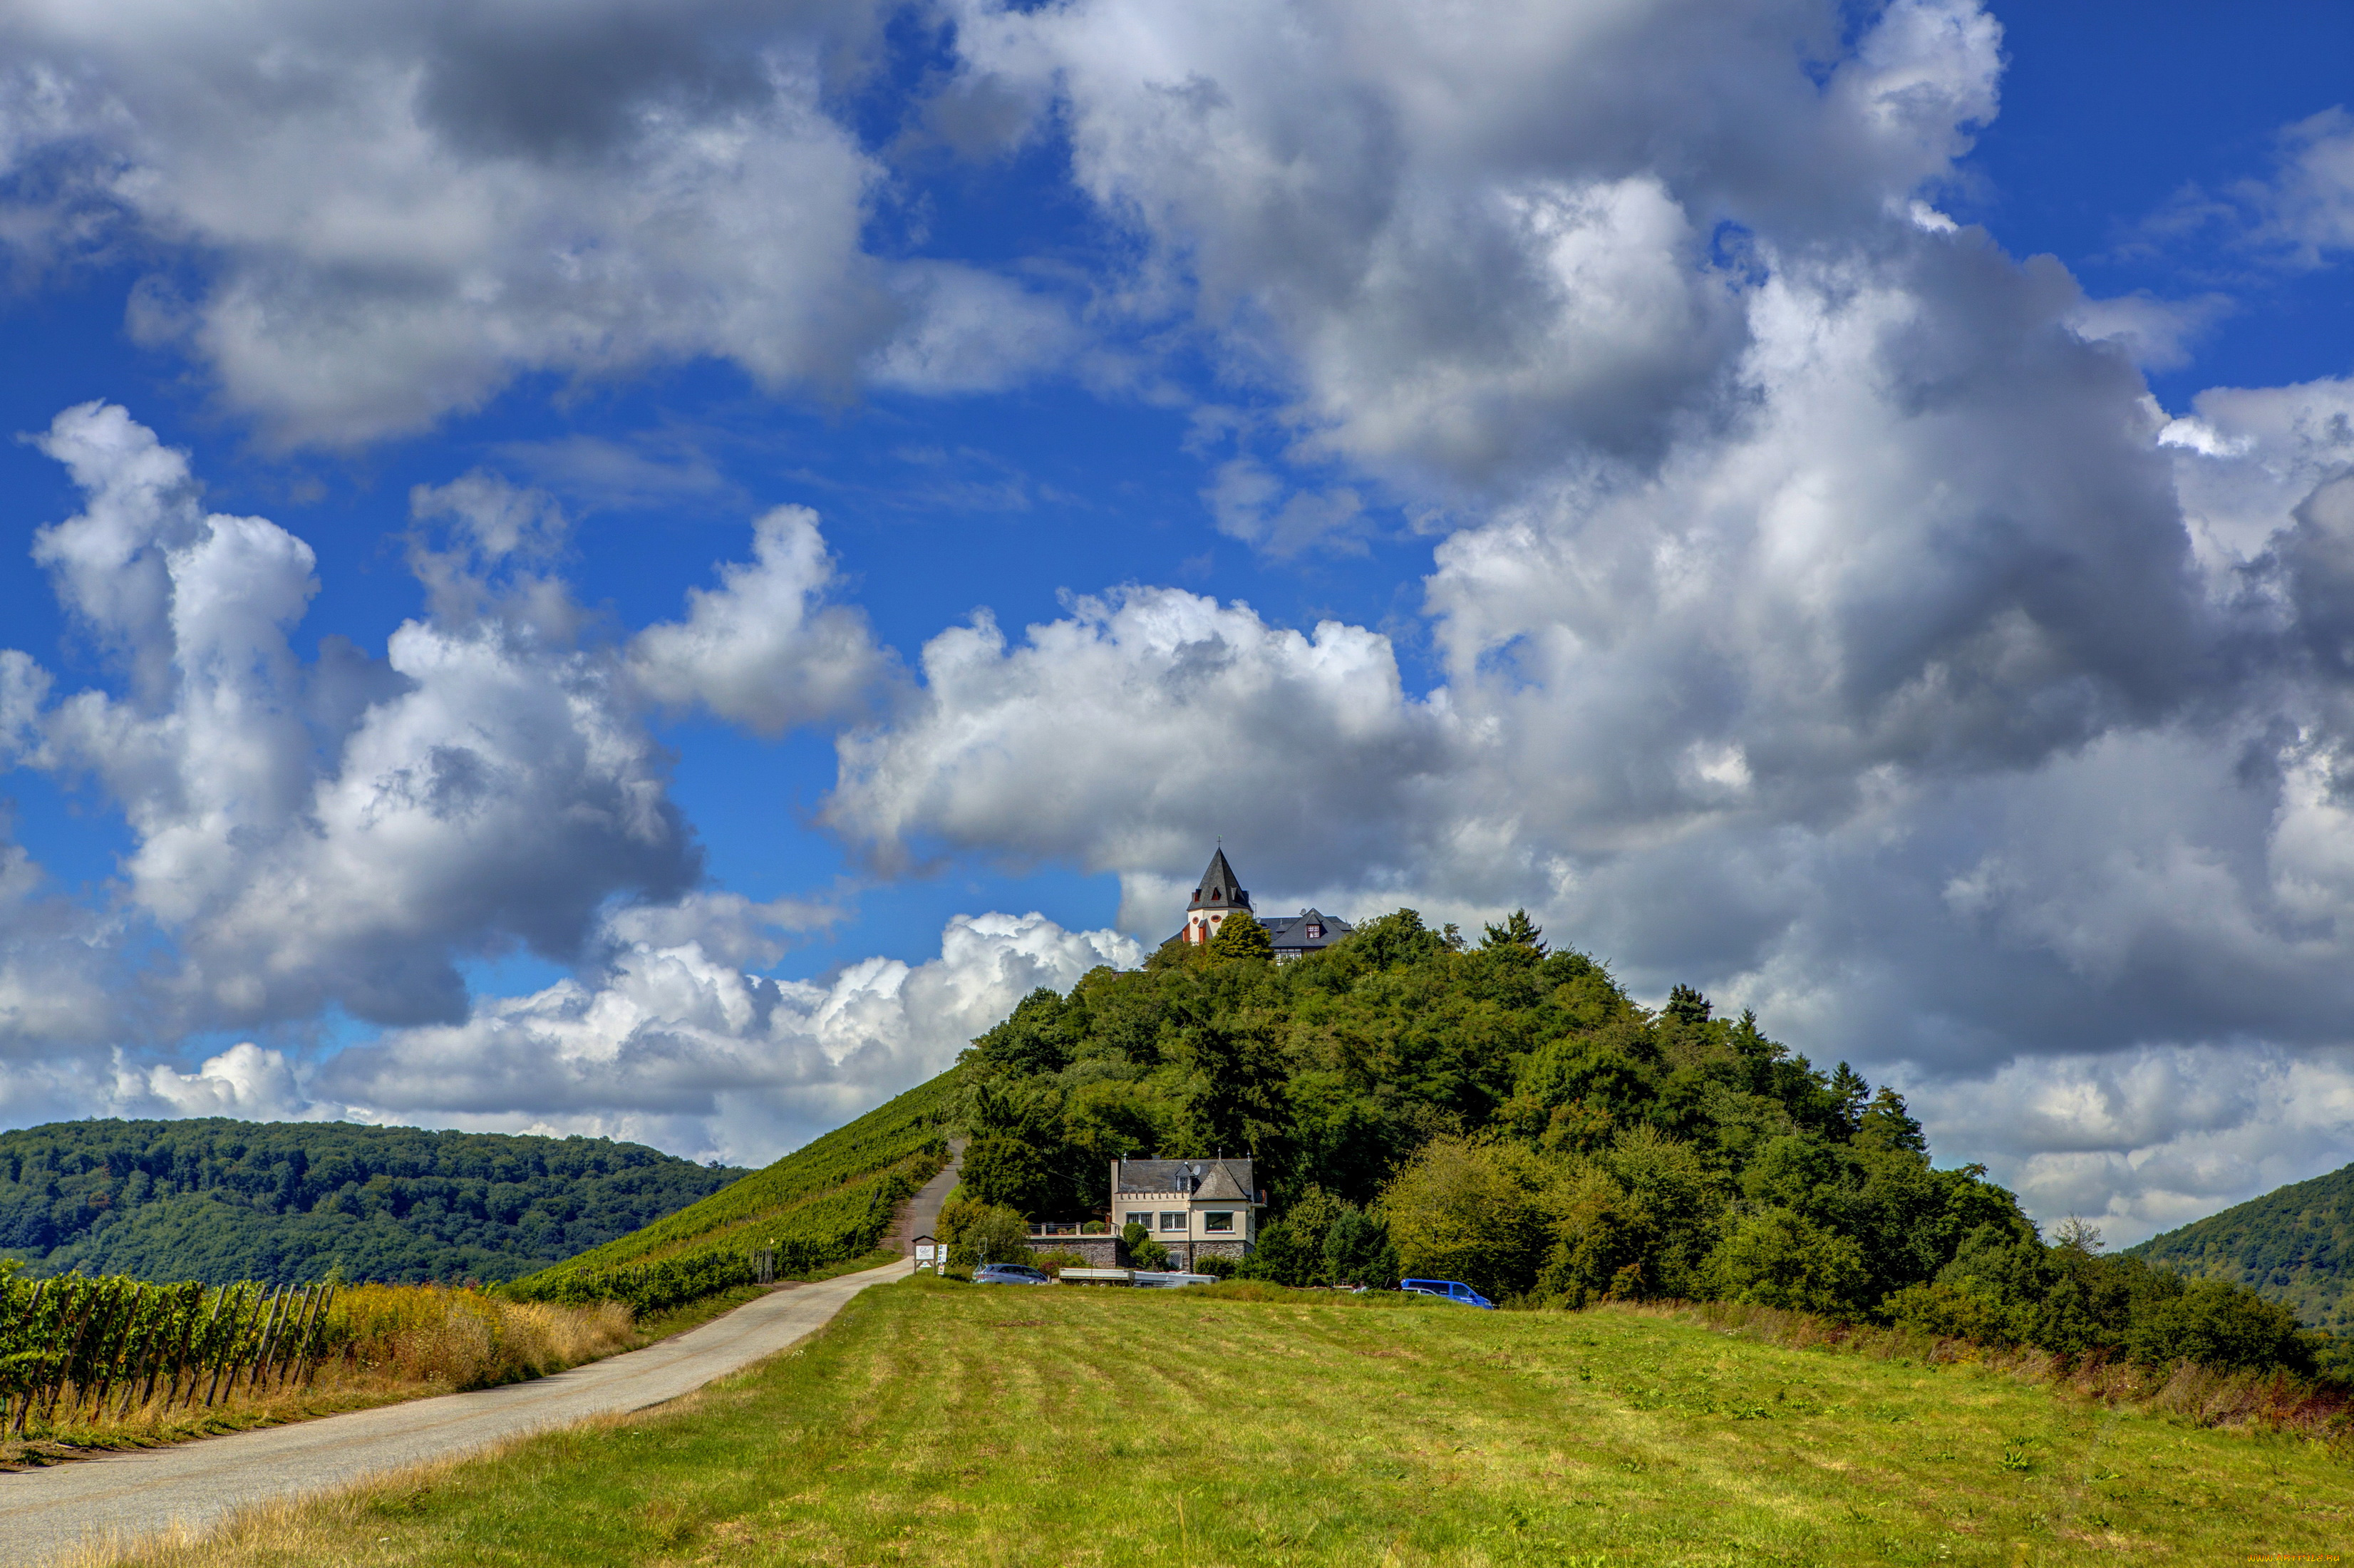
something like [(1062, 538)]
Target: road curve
[(44, 1513)]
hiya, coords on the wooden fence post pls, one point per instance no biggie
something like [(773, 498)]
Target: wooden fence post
[(66, 1367), (222, 1361), (262, 1341), (32, 1387)]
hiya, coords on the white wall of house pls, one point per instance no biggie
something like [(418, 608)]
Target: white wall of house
[(1174, 1217)]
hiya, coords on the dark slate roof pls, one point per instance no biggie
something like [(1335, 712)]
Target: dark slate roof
[(1289, 933), (1227, 1179), (1219, 880), (1219, 1182)]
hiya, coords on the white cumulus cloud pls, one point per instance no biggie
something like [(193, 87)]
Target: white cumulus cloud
[(672, 1042), (1486, 244), (363, 219), (762, 649)]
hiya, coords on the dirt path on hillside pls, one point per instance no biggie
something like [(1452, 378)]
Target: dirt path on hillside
[(921, 1216), (44, 1513)]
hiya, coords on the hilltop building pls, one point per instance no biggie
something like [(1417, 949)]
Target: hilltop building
[(1196, 1208), (1220, 894)]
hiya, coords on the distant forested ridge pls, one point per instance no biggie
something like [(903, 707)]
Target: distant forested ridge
[(2294, 1245), (219, 1200)]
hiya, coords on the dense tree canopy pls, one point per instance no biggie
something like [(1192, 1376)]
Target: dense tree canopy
[(217, 1200), (1508, 1115)]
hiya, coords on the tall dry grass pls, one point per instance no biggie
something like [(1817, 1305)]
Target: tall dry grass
[(428, 1336), (2203, 1396)]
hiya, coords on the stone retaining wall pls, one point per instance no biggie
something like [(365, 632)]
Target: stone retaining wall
[(1101, 1252)]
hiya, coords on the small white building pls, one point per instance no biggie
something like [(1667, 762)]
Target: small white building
[(1196, 1208)]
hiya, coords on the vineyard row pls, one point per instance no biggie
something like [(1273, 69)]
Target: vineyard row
[(75, 1345)]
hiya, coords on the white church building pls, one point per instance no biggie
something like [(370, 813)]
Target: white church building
[(1220, 894)]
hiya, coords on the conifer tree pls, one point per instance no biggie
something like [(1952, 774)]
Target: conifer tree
[(1887, 1123), (1517, 931), (1848, 1092), (1688, 1004)]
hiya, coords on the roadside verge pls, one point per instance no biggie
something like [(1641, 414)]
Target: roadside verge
[(44, 1513)]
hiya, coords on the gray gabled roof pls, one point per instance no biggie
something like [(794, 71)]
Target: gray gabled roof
[(1221, 1179), (1220, 1183), (1219, 880), (1289, 933)]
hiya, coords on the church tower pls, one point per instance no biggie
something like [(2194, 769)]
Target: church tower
[(1218, 895)]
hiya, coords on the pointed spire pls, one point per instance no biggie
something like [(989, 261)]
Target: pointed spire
[(1219, 889)]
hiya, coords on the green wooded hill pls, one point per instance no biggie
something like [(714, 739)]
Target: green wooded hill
[(1506, 1114), (2294, 1245), (217, 1199), (832, 1199)]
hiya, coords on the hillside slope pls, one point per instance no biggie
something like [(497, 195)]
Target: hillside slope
[(829, 1201), (2294, 1245), (217, 1200)]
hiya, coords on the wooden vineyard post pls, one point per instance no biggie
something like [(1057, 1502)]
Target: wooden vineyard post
[(289, 1337), (143, 1309), (270, 1340), (277, 1310), (318, 1333), (163, 1320), (31, 1388), (289, 1347), (191, 1338), (121, 1314), (66, 1367), (306, 1348), (200, 1343), (259, 1367), (225, 1356)]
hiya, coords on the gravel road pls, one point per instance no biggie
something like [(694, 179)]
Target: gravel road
[(43, 1513)]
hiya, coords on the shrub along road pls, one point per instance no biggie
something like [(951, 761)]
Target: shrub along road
[(43, 1513)]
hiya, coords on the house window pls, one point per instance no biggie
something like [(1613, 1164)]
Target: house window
[(1218, 1220), (1315, 932), (1173, 1221)]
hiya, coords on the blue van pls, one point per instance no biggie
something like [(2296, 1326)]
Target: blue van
[(1446, 1291)]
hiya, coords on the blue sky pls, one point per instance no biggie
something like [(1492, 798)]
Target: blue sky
[(1761, 486)]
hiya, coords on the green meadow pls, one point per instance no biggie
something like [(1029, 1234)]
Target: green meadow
[(940, 1423)]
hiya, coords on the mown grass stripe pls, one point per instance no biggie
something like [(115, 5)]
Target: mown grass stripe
[(921, 1427)]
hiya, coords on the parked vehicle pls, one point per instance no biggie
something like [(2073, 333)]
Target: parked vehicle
[(1096, 1276), (1157, 1280), (1446, 1291), (1009, 1274)]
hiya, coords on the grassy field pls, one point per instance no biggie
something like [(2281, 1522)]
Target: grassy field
[(938, 1422)]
